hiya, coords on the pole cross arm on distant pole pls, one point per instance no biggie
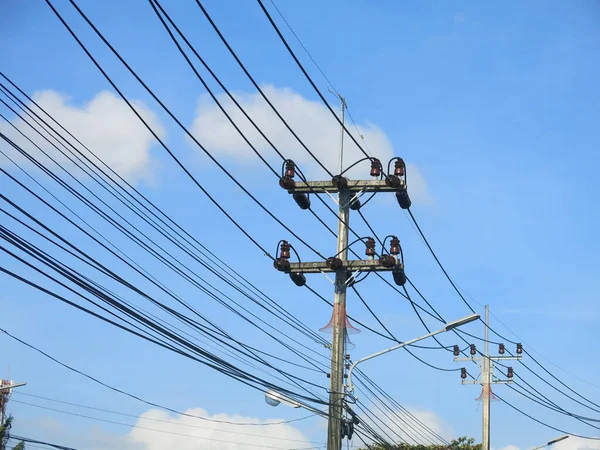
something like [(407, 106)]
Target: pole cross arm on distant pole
[(449, 326), (6, 388)]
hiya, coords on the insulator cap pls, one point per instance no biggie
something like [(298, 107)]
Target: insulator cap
[(285, 250), (456, 350), (399, 276), (375, 167), (282, 265), (290, 168), (334, 263), (403, 198), (287, 183), (399, 167), (370, 244), (395, 246), (339, 182), (393, 181), (387, 261), (510, 373), (519, 349), (298, 278), (501, 349), (473, 350), (355, 204), (302, 200), (463, 373)]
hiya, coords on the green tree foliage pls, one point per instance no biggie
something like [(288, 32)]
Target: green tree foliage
[(462, 443), (5, 435)]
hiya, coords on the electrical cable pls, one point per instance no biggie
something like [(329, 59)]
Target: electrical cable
[(149, 403), (113, 422), (139, 417)]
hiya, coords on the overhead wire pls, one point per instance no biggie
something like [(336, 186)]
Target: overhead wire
[(141, 418), (137, 398), (154, 207)]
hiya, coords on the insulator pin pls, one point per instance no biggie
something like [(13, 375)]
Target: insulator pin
[(334, 263), (287, 183), (339, 182), (387, 261)]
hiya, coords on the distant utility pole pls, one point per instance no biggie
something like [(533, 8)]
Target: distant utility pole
[(349, 192), (486, 376), (6, 387)]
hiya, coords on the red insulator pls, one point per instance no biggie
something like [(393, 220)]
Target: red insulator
[(285, 250), (339, 182), (473, 350), (395, 246), (334, 263), (375, 167), (456, 350), (463, 373), (287, 183), (289, 168), (501, 349), (519, 349), (370, 244), (399, 167), (510, 372), (387, 261)]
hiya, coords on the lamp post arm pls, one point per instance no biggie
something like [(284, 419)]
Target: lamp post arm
[(387, 350)]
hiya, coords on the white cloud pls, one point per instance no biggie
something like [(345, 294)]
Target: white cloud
[(572, 443), (575, 443), (105, 125), (510, 447), (311, 121), (159, 430), (210, 435)]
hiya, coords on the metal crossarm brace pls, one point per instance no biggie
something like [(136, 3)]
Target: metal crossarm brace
[(351, 265), (318, 187)]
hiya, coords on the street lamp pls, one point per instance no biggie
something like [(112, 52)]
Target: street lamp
[(274, 398), (449, 326), (553, 441)]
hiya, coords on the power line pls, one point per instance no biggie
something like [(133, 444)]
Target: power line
[(113, 422), (139, 417), (147, 402)]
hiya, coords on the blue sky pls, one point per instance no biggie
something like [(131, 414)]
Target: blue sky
[(494, 108)]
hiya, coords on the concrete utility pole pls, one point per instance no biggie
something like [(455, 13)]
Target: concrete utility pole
[(6, 387), (486, 376), (336, 393), (349, 192)]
